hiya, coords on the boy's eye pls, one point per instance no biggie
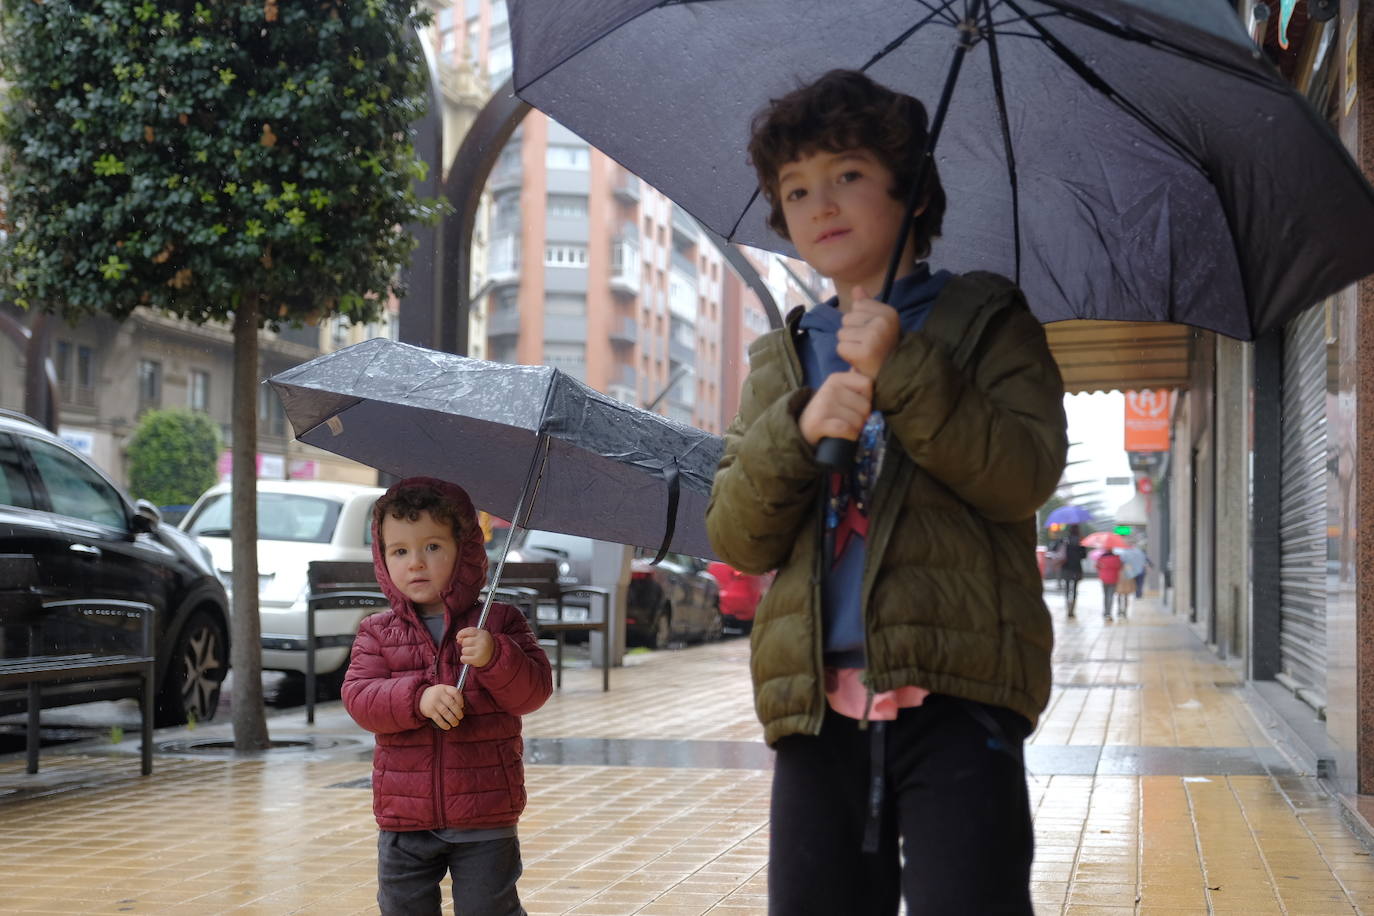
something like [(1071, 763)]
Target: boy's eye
[(795, 194), (851, 175)]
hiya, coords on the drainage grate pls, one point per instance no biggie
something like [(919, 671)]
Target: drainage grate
[(225, 746)]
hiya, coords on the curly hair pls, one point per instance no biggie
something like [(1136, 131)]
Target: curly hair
[(406, 503), (845, 110)]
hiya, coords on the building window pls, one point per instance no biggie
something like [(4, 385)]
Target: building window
[(149, 383), (271, 417), (200, 390), (565, 306), (561, 156), (568, 206), (569, 357), (565, 256)]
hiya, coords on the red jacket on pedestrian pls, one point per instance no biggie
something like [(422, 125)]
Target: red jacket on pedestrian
[(470, 776), (1109, 568)]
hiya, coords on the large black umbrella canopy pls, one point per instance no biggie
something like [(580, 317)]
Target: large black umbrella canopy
[(602, 469), (1152, 166)]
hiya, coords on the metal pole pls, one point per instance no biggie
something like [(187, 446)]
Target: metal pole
[(541, 454)]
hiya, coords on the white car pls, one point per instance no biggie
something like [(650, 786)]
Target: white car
[(298, 521)]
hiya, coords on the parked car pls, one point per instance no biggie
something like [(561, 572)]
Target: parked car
[(676, 600), (91, 543), (298, 521), (739, 594)]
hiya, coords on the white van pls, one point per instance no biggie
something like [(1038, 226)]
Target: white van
[(298, 521)]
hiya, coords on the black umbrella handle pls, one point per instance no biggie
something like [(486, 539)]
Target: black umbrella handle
[(838, 454)]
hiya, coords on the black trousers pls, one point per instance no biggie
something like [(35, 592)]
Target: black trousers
[(411, 865), (953, 796)]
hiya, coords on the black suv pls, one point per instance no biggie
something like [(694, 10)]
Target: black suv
[(90, 542)]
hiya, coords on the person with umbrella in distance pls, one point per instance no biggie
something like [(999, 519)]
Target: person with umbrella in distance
[(1071, 552), (439, 807), (1109, 571), (902, 655)]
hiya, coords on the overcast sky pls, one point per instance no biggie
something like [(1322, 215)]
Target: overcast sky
[(1097, 429)]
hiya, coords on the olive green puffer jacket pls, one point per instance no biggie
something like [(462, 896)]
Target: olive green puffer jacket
[(951, 593)]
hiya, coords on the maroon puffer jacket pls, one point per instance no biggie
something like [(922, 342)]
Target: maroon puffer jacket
[(471, 776)]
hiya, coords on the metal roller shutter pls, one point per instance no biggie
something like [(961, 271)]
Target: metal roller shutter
[(1302, 509)]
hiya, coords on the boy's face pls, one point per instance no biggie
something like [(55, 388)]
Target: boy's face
[(419, 558), (842, 216)]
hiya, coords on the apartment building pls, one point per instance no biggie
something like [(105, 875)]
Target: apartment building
[(593, 272)]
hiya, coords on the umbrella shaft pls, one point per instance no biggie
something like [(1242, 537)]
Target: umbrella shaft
[(967, 31)]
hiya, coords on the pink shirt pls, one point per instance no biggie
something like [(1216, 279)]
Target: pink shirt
[(848, 696)]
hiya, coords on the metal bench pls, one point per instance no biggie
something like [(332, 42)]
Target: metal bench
[(335, 585), (542, 580), (63, 642)]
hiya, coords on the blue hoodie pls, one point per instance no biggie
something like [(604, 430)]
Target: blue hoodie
[(912, 297)]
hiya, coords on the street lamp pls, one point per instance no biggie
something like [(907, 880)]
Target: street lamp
[(673, 379)]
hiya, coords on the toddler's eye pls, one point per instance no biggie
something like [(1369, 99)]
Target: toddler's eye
[(852, 175), (794, 195), (432, 547)]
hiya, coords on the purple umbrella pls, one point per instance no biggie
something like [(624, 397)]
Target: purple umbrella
[(1068, 515)]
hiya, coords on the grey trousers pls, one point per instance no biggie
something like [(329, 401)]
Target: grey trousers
[(411, 866)]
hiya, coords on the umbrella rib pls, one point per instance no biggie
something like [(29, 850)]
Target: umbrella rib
[(593, 40), (1094, 79), (1128, 34), (894, 44), (938, 11), (999, 93)]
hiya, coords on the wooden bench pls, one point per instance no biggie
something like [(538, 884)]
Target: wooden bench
[(542, 580), (335, 585), (62, 642)]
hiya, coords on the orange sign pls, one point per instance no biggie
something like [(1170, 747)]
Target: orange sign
[(1147, 421)]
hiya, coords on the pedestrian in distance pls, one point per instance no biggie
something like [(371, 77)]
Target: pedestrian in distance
[(1109, 572), (902, 655), (447, 782), (1071, 568), (1140, 578)]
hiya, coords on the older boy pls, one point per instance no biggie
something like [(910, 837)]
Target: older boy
[(447, 782), (902, 654)]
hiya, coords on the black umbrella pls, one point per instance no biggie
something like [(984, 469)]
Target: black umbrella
[(527, 442), (592, 465), (1122, 159)]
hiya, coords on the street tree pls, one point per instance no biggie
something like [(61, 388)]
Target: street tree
[(246, 161), (172, 456)]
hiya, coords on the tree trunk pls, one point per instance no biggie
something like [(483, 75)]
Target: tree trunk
[(250, 719)]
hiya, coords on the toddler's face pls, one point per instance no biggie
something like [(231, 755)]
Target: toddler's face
[(419, 558)]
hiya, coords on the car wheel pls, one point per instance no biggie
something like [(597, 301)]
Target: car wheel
[(190, 691), (662, 632), (716, 628)]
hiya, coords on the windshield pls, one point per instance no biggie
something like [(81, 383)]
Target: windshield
[(281, 517)]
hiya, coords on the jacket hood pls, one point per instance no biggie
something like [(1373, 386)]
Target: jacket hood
[(470, 568)]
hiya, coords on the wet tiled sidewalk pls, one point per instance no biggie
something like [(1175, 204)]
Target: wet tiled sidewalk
[(1154, 791)]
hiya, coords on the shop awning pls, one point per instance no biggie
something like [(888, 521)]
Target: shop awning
[(1120, 355)]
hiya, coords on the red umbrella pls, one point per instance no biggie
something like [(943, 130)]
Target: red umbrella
[(1104, 539)]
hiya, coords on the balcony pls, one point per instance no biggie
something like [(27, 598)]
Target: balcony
[(684, 227), (626, 187), (505, 323), (625, 267), (681, 353), (623, 394), (626, 376), (624, 332)]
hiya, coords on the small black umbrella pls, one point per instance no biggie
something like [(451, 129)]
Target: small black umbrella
[(527, 442), (1122, 159), (582, 462)]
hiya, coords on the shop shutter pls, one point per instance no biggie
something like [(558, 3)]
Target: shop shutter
[(1302, 509)]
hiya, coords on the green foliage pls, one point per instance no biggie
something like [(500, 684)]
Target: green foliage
[(179, 154), (173, 456)]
